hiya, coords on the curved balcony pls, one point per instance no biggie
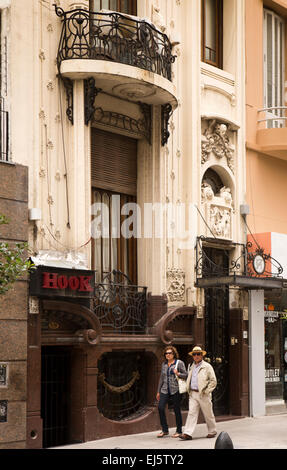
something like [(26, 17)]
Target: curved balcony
[(126, 56), (272, 131)]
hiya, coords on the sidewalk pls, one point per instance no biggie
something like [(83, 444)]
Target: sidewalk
[(267, 432)]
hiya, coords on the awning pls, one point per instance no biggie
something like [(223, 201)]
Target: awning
[(237, 280)]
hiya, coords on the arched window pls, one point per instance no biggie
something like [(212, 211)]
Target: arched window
[(122, 6)]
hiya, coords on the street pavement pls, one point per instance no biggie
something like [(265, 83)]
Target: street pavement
[(267, 432)]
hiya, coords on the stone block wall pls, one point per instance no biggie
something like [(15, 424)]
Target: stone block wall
[(13, 313)]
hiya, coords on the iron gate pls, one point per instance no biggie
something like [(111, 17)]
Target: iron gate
[(216, 304), (217, 327)]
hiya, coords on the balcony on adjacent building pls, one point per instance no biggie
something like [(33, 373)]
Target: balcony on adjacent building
[(127, 56), (272, 131)]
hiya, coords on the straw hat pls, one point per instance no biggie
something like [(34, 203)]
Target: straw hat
[(197, 349)]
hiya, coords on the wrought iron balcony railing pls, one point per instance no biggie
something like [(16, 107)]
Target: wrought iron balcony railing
[(4, 133), (114, 37), (120, 306), (251, 262)]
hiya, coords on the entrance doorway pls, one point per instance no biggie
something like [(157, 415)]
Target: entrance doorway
[(217, 331), (55, 395)]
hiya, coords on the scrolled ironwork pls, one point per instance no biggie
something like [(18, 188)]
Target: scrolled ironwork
[(114, 37), (243, 265), (121, 121), (166, 112), (90, 93), (119, 305), (272, 267)]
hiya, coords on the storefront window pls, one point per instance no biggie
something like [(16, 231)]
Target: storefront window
[(274, 354)]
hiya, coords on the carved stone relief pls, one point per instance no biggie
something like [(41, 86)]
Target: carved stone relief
[(216, 140), (175, 285), (220, 221), (218, 210)]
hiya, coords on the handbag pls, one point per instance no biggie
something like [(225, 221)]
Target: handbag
[(181, 383)]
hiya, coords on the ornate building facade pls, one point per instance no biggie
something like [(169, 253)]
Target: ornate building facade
[(130, 117)]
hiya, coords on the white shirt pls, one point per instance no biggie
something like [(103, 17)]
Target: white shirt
[(194, 382)]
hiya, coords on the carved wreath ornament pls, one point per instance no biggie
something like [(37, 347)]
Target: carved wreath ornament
[(122, 388), (215, 139)]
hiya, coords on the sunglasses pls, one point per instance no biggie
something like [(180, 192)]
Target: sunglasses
[(197, 354), (169, 352)]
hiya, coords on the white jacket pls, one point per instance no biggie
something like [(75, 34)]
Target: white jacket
[(206, 378)]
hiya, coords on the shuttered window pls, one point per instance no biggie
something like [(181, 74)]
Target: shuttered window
[(114, 162), (114, 187)]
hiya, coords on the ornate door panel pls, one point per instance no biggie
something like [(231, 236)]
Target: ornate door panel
[(216, 327)]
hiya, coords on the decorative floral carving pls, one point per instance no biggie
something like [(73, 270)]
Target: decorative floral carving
[(42, 54), (215, 139), (42, 172), (176, 285), (50, 85), (157, 19)]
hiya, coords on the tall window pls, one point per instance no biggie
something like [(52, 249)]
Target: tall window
[(114, 190), (273, 68), (212, 29), (123, 6), (113, 250)]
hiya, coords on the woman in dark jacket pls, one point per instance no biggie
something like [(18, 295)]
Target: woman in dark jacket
[(171, 368)]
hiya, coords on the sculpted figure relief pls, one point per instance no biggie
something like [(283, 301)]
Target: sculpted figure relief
[(220, 221), (206, 192)]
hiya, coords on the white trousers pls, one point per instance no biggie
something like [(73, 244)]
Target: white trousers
[(195, 404)]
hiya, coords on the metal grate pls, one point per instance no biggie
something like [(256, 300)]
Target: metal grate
[(120, 306), (122, 385)]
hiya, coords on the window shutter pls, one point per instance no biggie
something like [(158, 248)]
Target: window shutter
[(114, 162)]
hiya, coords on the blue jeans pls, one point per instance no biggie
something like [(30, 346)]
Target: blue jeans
[(176, 399)]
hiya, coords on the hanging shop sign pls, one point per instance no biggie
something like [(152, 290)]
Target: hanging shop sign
[(60, 282)]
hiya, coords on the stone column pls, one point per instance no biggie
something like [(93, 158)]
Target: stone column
[(256, 353), (79, 183)]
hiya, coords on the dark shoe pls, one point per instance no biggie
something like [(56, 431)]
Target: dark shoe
[(185, 437), (211, 435)]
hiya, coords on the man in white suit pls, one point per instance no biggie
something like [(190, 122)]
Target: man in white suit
[(201, 381)]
